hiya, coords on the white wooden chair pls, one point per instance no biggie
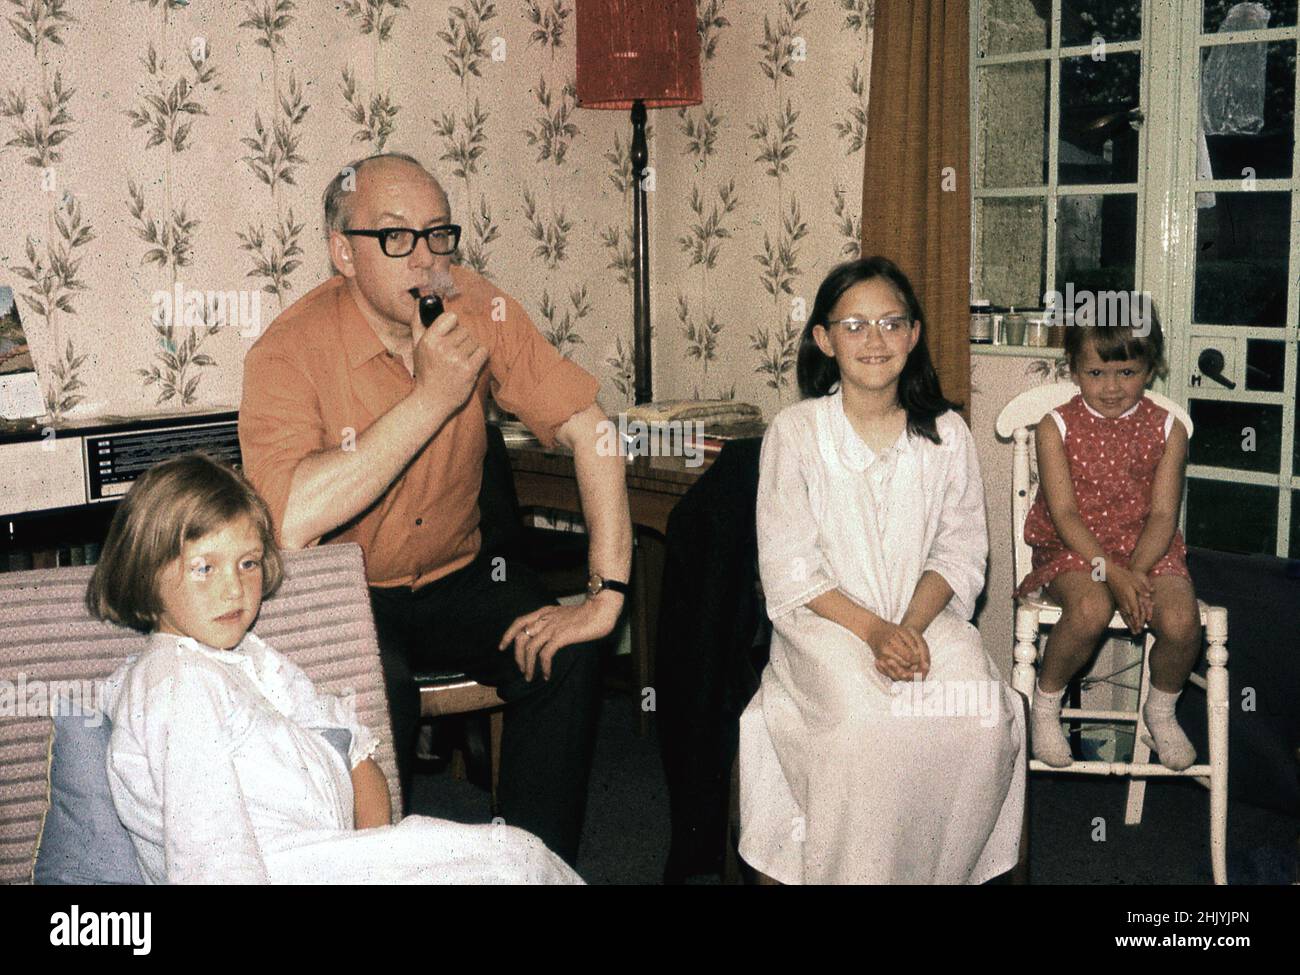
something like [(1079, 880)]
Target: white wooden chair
[(1035, 612)]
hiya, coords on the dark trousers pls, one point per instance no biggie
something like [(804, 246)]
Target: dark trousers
[(454, 624)]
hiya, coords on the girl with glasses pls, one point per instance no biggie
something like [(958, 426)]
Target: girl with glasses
[(882, 746)]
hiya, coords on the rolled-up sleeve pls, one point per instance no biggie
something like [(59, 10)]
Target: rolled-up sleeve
[(280, 423), (961, 543), (532, 380), (790, 561)]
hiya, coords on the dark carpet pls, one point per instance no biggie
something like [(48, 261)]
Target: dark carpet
[(1077, 822)]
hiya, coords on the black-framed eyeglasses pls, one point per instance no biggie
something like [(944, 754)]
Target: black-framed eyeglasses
[(400, 241)]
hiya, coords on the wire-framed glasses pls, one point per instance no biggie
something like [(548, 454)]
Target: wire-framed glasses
[(889, 326)]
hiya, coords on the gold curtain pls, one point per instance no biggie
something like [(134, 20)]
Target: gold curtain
[(916, 183)]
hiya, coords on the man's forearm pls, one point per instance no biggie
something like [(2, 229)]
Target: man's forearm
[(331, 487), (602, 486)]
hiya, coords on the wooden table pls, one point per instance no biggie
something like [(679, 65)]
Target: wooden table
[(546, 478)]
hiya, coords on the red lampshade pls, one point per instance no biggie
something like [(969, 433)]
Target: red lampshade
[(630, 49)]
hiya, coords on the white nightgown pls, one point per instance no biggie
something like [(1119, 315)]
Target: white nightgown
[(846, 777), (220, 772)]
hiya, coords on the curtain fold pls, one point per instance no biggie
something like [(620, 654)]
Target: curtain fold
[(916, 181)]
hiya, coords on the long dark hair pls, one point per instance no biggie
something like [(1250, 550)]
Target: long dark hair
[(919, 393)]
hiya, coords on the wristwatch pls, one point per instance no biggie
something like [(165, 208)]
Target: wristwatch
[(596, 583)]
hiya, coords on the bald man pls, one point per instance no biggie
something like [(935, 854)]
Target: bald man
[(359, 424)]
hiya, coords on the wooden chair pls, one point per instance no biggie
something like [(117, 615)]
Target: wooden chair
[(1035, 612), (445, 694)]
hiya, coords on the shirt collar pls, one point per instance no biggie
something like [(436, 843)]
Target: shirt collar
[(360, 343), (359, 340), (1129, 412)]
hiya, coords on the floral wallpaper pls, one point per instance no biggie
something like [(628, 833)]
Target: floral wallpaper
[(157, 153)]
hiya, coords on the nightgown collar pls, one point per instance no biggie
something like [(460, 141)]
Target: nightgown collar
[(852, 452), (237, 653)]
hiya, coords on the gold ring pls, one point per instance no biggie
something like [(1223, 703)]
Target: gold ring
[(527, 631)]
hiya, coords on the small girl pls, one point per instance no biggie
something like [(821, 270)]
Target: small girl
[(225, 763), (1104, 529), (882, 744)]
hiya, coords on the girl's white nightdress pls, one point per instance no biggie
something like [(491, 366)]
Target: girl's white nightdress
[(226, 766), (846, 777)]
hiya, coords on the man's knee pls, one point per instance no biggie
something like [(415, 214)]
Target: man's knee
[(574, 666)]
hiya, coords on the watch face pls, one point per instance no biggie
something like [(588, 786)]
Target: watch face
[(594, 584)]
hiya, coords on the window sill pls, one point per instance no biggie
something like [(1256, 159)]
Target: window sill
[(1017, 351)]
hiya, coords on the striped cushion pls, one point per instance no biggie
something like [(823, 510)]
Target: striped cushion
[(320, 619)]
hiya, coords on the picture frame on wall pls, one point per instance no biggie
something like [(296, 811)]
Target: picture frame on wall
[(20, 389)]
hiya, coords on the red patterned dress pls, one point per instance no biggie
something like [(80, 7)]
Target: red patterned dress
[(1112, 466)]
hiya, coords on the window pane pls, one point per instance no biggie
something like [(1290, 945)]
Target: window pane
[(1248, 110), (1231, 517), (1264, 365), (1012, 148), (1112, 20), (1012, 249), (1007, 26), (1295, 525), (1241, 258), (1216, 20), (1096, 242), (1098, 141), (1241, 436)]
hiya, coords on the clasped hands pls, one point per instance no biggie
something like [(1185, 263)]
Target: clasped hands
[(900, 650), (538, 636), (1132, 592)]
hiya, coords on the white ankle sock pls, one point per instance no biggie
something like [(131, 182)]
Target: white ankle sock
[(1045, 734), (1175, 751)]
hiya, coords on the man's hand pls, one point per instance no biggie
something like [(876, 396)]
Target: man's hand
[(900, 651), (446, 361), (1132, 592), (538, 636)]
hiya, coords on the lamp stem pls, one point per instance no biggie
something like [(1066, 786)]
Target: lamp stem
[(641, 249)]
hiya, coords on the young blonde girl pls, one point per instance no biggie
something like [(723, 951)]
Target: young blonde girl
[(882, 745), (225, 763), (1104, 529)]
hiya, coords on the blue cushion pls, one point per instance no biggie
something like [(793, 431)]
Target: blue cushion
[(83, 841), (341, 739)]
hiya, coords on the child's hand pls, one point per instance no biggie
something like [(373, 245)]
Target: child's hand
[(1132, 592), (901, 652), (1147, 598)]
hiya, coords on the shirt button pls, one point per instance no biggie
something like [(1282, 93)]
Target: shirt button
[(419, 521)]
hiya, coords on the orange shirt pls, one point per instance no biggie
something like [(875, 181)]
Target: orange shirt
[(319, 376)]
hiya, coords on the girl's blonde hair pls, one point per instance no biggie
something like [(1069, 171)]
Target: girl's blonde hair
[(178, 501)]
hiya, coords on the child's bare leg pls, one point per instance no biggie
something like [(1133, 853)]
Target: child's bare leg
[(1176, 623), (1086, 609)]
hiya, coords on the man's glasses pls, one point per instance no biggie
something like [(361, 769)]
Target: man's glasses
[(889, 326), (400, 241)]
